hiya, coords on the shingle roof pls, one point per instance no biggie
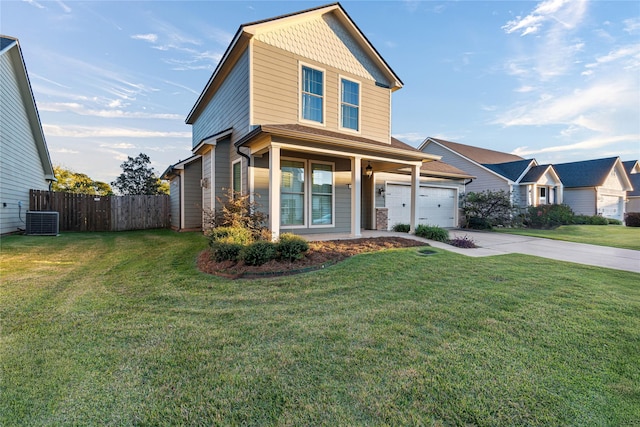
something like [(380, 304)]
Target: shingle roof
[(629, 165), (477, 154), (587, 173), (510, 170), (535, 173), (440, 168), (635, 182)]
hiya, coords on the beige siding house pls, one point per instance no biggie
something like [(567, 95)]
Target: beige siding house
[(298, 114), (633, 197), (528, 183), (24, 158)]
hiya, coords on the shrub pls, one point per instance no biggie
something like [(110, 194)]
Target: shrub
[(401, 228), (222, 251), (613, 221), (599, 220), (291, 247), (257, 253), (582, 219), (238, 235), (463, 242), (432, 232), (476, 223), (632, 219), (489, 208), (237, 211), (549, 216)]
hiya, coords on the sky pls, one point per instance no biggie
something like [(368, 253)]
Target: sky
[(554, 80)]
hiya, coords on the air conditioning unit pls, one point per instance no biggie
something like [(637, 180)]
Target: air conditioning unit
[(42, 223)]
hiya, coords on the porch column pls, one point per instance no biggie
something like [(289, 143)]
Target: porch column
[(356, 196), (274, 191), (415, 187)]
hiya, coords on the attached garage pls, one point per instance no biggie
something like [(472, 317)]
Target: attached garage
[(436, 205), (611, 206)]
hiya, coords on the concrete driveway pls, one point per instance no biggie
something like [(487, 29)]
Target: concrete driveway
[(501, 243)]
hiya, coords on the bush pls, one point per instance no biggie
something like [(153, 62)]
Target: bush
[(632, 219), (582, 219), (599, 220), (549, 216), (291, 247), (237, 211), (476, 223), (401, 228), (612, 221), (259, 252), (463, 242), (221, 251), (432, 232), (487, 208), (238, 235)]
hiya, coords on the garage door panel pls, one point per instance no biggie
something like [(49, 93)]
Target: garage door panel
[(436, 206)]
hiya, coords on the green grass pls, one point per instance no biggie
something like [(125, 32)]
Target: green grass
[(616, 236), (120, 329)]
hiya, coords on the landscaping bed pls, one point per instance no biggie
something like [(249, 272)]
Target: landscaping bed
[(320, 254)]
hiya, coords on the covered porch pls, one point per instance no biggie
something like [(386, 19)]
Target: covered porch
[(311, 181)]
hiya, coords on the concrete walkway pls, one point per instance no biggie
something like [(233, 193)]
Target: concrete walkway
[(491, 243)]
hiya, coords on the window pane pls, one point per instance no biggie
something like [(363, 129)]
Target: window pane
[(312, 81), (350, 91), (312, 108), (322, 212), (292, 209), (349, 117), (292, 177), (322, 178)]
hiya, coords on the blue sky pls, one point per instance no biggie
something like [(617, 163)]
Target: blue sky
[(554, 80)]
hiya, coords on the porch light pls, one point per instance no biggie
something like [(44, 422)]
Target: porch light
[(368, 171)]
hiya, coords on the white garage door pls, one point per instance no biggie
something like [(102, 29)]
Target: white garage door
[(610, 207), (436, 206)]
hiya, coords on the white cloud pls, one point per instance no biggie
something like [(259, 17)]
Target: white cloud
[(410, 137), (58, 107), (632, 25), (525, 89), (564, 12), (64, 151), (64, 7), (588, 144), (34, 3), (151, 38), (74, 131)]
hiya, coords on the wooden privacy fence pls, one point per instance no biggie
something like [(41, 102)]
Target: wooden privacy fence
[(82, 212)]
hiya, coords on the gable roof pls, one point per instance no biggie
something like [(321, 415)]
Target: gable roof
[(589, 173), (510, 170), (632, 167), (442, 169), (11, 47), (635, 183), (247, 31), (535, 173), (479, 155), (171, 170)]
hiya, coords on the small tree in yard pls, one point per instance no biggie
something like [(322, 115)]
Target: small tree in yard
[(138, 178), (487, 208), (238, 211)]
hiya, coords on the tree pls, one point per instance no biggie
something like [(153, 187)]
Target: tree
[(138, 178), (74, 182)]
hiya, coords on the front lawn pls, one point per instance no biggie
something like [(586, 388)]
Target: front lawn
[(616, 236), (121, 329)]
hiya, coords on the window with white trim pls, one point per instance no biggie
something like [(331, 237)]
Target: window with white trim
[(292, 199), (312, 94), (321, 194), (306, 193), (350, 104)]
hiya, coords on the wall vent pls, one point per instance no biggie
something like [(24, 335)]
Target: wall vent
[(42, 223)]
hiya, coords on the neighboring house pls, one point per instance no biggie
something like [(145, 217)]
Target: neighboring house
[(298, 112), (528, 183), (440, 187), (24, 158), (185, 179), (632, 168), (595, 187)]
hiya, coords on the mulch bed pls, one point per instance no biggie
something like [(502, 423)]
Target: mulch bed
[(320, 255)]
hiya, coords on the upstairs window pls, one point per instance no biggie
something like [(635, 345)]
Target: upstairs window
[(350, 104), (312, 94)]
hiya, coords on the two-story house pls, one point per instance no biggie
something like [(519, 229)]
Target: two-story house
[(298, 112)]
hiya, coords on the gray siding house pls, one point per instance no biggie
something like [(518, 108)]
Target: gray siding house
[(24, 158), (528, 183), (304, 126)]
